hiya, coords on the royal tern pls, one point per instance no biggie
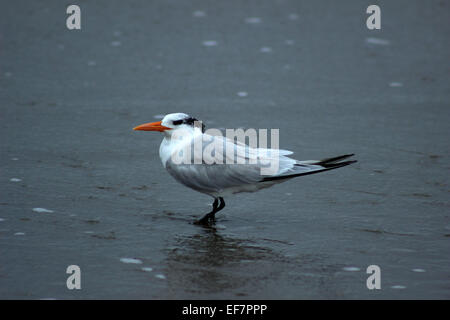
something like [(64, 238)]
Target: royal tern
[(213, 173)]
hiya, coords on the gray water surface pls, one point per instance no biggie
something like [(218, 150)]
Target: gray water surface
[(69, 101)]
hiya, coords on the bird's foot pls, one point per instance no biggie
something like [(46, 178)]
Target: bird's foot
[(207, 220)]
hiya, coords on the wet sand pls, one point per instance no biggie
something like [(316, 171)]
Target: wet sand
[(69, 101)]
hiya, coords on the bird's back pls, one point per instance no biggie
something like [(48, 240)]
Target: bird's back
[(223, 166)]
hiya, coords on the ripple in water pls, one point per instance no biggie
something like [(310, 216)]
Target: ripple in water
[(351, 269), (42, 210), (210, 43), (147, 269), (398, 287), (266, 49), (378, 41), (199, 13), (131, 260), (253, 20)]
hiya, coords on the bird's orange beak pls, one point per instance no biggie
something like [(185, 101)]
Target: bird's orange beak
[(152, 126)]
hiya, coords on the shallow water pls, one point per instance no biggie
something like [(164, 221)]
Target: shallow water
[(78, 186)]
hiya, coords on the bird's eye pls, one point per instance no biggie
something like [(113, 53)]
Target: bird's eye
[(177, 122)]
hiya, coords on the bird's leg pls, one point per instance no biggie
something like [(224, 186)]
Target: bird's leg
[(218, 205), (221, 205), (209, 216)]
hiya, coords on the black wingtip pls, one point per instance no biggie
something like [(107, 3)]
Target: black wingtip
[(334, 159), (327, 164), (338, 165)]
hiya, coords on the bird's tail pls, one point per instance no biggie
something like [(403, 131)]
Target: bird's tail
[(302, 168), (335, 162)]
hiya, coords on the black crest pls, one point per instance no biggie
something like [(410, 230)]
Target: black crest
[(189, 121)]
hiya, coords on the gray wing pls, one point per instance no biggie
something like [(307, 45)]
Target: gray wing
[(213, 177), (215, 171), (217, 168)]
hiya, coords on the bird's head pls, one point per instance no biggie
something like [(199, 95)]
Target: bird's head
[(171, 123)]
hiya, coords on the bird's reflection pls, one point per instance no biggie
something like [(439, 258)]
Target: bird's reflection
[(209, 262)]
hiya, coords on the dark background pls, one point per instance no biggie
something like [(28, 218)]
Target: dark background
[(69, 101)]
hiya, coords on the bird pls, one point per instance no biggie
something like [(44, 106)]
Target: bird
[(220, 174)]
